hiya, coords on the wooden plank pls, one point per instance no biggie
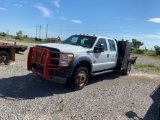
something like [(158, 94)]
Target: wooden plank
[(12, 54)]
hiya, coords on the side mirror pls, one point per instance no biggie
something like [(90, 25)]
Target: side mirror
[(96, 49), (99, 48)]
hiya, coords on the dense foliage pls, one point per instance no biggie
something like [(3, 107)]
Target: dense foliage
[(144, 51), (19, 35), (137, 44), (157, 50), (3, 34)]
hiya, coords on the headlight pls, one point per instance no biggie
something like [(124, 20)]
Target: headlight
[(65, 59)]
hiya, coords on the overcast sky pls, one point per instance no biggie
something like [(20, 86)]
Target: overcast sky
[(120, 19)]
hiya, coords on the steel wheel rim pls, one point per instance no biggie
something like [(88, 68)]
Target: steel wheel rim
[(2, 58), (81, 78)]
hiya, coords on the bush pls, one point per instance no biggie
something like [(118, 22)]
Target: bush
[(150, 53), (19, 35), (18, 38), (25, 36), (3, 34), (157, 50), (53, 40), (137, 51)]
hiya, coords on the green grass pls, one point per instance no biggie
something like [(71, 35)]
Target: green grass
[(152, 66), (149, 57), (154, 57)]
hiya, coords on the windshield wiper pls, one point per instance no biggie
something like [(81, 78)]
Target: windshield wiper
[(86, 46), (72, 44)]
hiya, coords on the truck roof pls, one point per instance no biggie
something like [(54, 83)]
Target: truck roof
[(96, 36)]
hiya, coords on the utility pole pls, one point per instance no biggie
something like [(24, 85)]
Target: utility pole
[(47, 31), (7, 32), (38, 29), (40, 32)]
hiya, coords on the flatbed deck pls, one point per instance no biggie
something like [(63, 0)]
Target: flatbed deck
[(8, 51), (21, 48)]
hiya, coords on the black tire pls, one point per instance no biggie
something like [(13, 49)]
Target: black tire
[(158, 109), (4, 57), (77, 81), (128, 70)]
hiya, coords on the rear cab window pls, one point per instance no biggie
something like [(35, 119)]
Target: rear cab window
[(112, 45)]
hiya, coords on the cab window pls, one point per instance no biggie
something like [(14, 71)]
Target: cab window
[(102, 41), (112, 45), (73, 40)]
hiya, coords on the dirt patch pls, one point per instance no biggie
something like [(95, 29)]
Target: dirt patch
[(141, 74)]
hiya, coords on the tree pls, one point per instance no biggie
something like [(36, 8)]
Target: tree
[(19, 35), (137, 44), (25, 36), (3, 34), (157, 50)]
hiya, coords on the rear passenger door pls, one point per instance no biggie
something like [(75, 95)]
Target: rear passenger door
[(113, 55)]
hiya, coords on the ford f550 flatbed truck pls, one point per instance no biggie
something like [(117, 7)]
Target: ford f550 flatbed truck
[(78, 57)]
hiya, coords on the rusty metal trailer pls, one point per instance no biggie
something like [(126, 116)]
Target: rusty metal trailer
[(8, 51)]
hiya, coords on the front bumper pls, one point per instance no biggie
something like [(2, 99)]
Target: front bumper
[(58, 79), (63, 72), (41, 61)]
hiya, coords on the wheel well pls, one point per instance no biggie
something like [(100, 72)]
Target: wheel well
[(7, 50), (4, 50), (84, 64)]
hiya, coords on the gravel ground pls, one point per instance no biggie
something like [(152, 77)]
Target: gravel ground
[(25, 96)]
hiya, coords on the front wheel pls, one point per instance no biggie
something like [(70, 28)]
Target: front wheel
[(79, 78), (128, 70)]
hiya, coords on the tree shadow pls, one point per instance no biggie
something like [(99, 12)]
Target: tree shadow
[(153, 112), (31, 86)]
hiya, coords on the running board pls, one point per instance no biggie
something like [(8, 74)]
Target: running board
[(103, 72)]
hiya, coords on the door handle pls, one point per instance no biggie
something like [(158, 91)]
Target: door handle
[(107, 55)]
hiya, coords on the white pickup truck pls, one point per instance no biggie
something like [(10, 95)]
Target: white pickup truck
[(78, 57)]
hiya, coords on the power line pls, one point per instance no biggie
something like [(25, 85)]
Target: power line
[(47, 31)]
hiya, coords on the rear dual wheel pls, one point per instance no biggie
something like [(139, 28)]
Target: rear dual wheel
[(4, 57), (128, 70)]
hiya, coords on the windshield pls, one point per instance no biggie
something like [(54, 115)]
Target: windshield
[(79, 40)]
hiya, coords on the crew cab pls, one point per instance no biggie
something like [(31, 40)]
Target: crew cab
[(79, 57)]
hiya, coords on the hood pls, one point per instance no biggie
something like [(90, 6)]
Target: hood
[(65, 47)]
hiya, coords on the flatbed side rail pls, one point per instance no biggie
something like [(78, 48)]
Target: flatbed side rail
[(18, 48), (133, 59), (43, 57)]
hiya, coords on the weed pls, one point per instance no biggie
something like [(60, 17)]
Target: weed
[(61, 105), (149, 66)]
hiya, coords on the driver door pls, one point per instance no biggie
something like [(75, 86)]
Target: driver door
[(101, 60)]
